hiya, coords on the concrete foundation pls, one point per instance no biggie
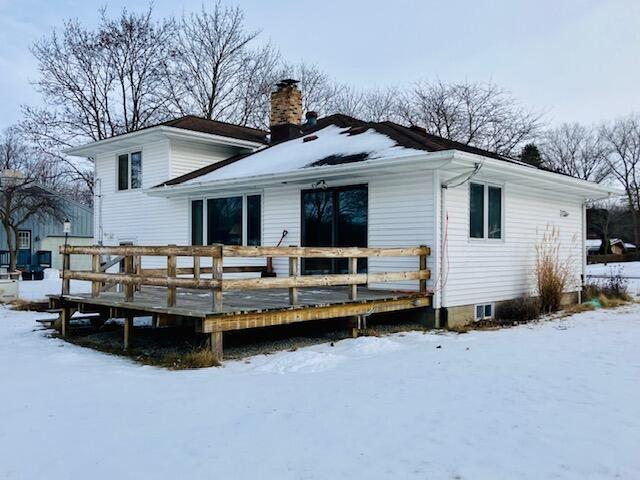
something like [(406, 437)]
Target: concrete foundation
[(462, 315)]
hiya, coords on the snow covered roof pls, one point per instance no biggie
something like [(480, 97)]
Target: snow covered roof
[(336, 139), (593, 243), (331, 145)]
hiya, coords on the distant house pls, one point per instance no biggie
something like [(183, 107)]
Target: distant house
[(39, 239), (338, 181), (618, 246)]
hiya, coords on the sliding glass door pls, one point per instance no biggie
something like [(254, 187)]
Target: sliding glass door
[(334, 217)]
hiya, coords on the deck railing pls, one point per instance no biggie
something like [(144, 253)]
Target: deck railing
[(135, 276)]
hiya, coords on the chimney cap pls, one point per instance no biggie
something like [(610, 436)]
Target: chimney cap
[(312, 118), (287, 82)]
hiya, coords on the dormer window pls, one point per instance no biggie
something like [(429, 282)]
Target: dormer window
[(129, 170)]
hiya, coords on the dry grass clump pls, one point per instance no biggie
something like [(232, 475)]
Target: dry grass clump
[(23, 305), (610, 302), (369, 332), (553, 271), (201, 358), (579, 308)]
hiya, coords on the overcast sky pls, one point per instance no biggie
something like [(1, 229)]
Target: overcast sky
[(576, 60)]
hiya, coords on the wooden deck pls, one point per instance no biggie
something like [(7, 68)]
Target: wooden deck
[(250, 308), (215, 304)]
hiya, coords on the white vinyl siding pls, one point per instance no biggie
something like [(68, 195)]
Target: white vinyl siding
[(132, 215), (401, 214), (488, 271), (186, 157)]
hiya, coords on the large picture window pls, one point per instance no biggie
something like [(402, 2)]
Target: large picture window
[(129, 170), (485, 211), (230, 221), (224, 221)]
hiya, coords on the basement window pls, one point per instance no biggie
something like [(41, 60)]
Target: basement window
[(484, 311), (485, 211), (129, 170)]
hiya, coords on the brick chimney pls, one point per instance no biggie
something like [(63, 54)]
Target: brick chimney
[(286, 111)]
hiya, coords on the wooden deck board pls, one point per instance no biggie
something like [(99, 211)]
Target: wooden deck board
[(199, 302)]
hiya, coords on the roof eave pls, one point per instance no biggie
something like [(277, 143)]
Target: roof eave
[(164, 131), (585, 188)]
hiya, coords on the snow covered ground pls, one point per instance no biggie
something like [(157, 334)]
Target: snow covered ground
[(629, 270), (559, 399), (39, 289)]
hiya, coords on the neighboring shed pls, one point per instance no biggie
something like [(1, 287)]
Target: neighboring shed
[(46, 235), (618, 247)]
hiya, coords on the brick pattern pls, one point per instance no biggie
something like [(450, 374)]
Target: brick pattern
[(286, 106)]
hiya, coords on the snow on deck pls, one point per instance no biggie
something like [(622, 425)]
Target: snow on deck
[(558, 399), (297, 154)]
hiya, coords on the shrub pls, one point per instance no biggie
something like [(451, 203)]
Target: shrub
[(519, 309), (614, 287), (553, 272)]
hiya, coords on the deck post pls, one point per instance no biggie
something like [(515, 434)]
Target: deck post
[(128, 331), (423, 266), (358, 323), (66, 266), (353, 269), (196, 267), (137, 267), (65, 317), (128, 287), (294, 271), (216, 274), (95, 267), (215, 344), (171, 273)]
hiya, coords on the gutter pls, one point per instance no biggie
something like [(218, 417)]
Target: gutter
[(532, 172)]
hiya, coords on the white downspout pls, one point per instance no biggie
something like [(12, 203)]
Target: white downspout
[(584, 250), (443, 259)]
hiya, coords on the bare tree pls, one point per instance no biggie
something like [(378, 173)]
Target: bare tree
[(375, 105), (99, 83), (474, 113), (621, 139), (215, 65), (253, 93), (608, 219), (381, 104), (575, 150), (25, 182)]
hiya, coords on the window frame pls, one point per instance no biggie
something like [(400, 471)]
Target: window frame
[(24, 233), (128, 153), (485, 212), (484, 309), (205, 215)]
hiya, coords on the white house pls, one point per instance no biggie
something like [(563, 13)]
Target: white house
[(339, 181)]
